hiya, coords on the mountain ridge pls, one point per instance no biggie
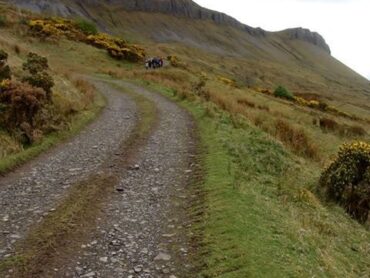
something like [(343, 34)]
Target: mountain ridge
[(180, 8)]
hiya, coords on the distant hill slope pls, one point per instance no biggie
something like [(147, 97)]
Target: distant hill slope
[(182, 8), (297, 58)]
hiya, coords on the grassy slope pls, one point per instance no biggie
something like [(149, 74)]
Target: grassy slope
[(261, 219), (254, 61)]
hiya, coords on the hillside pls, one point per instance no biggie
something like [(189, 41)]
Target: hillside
[(246, 155), (297, 58)]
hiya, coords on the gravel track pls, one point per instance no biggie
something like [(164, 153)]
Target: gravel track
[(142, 231), (32, 191)]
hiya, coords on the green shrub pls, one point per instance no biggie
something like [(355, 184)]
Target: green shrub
[(37, 65), (283, 93), (41, 80), (5, 72), (87, 27), (347, 180), (3, 21)]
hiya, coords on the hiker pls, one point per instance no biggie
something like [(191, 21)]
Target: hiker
[(154, 63), (149, 63)]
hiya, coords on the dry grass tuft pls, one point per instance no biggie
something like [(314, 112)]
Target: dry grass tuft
[(330, 125), (246, 102), (356, 131), (296, 139), (17, 49), (88, 91)]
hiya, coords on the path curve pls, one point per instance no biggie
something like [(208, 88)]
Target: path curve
[(142, 228), (32, 191)]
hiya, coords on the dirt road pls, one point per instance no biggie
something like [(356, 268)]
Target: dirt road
[(140, 230)]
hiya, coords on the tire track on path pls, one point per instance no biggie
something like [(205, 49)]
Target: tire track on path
[(130, 218), (32, 191), (143, 229)]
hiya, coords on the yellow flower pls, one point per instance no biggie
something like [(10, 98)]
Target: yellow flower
[(5, 84)]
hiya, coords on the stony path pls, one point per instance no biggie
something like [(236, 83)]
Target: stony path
[(142, 228), (30, 192), (142, 231)]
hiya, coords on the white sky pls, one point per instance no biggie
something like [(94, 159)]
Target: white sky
[(344, 24)]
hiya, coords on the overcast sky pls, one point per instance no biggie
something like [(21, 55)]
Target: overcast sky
[(345, 24)]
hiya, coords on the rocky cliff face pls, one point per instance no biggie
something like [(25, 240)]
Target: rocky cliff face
[(180, 8), (308, 36)]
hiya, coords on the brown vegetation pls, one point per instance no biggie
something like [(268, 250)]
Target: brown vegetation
[(88, 91), (22, 103), (331, 125), (246, 102), (296, 139)]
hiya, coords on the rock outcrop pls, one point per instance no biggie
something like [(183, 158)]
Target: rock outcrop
[(182, 8), (308, 36)]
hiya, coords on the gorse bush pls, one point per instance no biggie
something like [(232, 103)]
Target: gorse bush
[(86, 32), (347, 180), (21, 102), (283, 93), (37, 66), (117, 48), (5, 72), (86, 27), (175, 62), (35, 63)]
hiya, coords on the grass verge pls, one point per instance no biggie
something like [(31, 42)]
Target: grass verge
[(74, 219), (78, 123), (261, 216)]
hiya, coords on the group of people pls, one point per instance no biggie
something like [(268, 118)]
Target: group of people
[(154, 63)]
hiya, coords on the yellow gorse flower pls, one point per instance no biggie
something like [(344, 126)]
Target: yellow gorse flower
[(5, 84)]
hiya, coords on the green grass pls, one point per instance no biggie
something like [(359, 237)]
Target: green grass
[(77, 124), (261, 218)]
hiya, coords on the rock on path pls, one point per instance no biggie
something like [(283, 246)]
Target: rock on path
[(30, 192)]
